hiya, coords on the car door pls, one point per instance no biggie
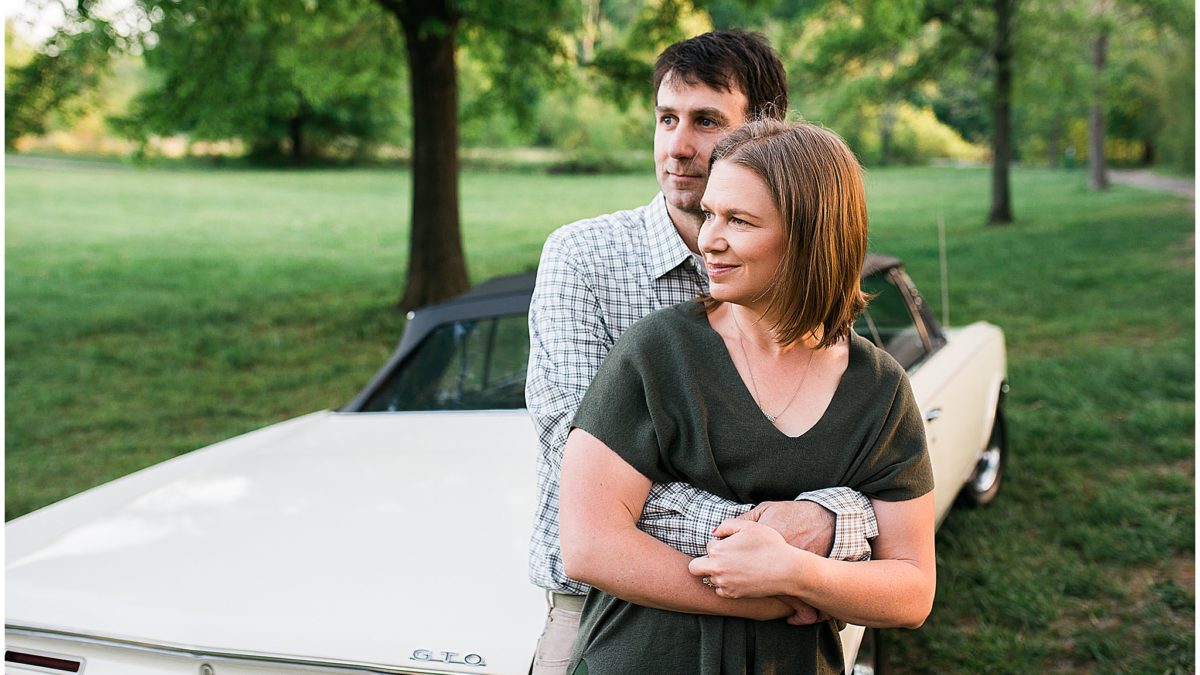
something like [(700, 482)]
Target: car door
[(898, 321)]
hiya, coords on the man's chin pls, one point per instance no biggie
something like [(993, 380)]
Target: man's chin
[(687, 202)]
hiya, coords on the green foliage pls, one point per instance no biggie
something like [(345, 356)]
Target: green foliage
[(1173, 83), (1147, 85), (594, 134), (867, 68), (485, 120), (246, 69), (625, 61), (295, 75), (1052, 81), (499, 34), (917, 137), (59, 79), (597, 112), (16, 51), (499, 103), (1152, 83)]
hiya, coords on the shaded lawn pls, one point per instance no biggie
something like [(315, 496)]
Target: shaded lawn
[(150, 312)]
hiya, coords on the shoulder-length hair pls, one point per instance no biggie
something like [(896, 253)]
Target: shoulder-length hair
[(816, 183)]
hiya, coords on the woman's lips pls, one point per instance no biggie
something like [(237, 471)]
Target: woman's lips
[(717, 270)]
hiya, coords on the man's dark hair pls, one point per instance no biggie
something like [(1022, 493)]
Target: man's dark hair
[(726, 60)]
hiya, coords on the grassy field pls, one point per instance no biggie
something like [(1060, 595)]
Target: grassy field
[(150, 312)]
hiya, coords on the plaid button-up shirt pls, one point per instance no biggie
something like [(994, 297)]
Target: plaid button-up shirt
[(596, 278)]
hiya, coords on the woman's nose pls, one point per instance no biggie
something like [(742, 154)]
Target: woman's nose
[(711, 238)]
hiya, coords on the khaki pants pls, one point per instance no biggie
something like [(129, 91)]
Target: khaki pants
[(558, 637)]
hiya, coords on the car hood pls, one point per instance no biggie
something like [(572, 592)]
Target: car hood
[(361, 537)]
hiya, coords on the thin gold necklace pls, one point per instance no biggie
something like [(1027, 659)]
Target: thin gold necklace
[(754, 384)]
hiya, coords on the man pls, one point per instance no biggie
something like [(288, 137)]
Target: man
[(599, 276)]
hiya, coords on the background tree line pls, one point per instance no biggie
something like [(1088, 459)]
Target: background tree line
[(905, 81)]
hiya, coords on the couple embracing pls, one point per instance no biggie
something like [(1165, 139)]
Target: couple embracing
[(739, 471)]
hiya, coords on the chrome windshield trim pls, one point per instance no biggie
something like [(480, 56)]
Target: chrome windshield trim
[(202, 654)]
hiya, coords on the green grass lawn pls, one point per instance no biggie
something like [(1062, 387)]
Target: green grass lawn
[(150, 312)]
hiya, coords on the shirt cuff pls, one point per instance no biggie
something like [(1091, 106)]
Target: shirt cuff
[(854, 522)]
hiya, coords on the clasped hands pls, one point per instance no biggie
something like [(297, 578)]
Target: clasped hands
[(755, 554)]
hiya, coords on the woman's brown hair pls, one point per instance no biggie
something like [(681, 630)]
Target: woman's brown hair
[(816, 183)]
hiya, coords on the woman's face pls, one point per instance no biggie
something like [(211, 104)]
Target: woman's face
[(742, 238)]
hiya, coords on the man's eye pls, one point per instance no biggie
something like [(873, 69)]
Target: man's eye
[(708, 123), (666, 120)]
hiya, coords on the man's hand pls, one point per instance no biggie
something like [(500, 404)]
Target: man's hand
[(804, 614), (803, 524)]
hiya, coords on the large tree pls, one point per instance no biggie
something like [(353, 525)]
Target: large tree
[(521, 47), (901, 44), (989, 28)]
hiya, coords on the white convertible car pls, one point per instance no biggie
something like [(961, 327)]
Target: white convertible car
[(391, 536)]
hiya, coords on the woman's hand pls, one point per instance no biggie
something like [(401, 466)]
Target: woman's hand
[(749, 560), (601, 500), (893, 590)]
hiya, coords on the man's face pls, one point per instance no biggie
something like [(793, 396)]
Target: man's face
[(690, 121)]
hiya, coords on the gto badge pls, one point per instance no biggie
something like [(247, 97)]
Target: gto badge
[(447, 657)]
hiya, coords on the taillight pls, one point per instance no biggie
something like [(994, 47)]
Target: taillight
[(59, 663)]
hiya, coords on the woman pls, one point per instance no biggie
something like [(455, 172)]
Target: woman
[(756, 393)]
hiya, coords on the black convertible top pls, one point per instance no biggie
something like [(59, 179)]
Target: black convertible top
[(876, 263)]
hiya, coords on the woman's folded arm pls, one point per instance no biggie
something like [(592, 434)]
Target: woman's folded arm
[(601, 499), (893, 590)]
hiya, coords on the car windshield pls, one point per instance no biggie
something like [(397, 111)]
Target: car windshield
[(476, 364), (888, 322)]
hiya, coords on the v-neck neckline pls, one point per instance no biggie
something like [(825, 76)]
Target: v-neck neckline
[(747, 398)]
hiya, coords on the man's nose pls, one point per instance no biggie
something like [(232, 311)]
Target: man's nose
[(682, 143)]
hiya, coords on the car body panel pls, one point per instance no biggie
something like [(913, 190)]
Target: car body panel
[(340, 536), (957, 389)]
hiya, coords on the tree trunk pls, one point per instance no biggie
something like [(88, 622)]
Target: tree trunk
[(1097, 163), (1149, 156), (1002, 55), (437, 268)]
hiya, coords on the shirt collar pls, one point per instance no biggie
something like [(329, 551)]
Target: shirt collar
[(665, 250)]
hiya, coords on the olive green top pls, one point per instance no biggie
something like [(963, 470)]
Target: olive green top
[(669, 400)]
